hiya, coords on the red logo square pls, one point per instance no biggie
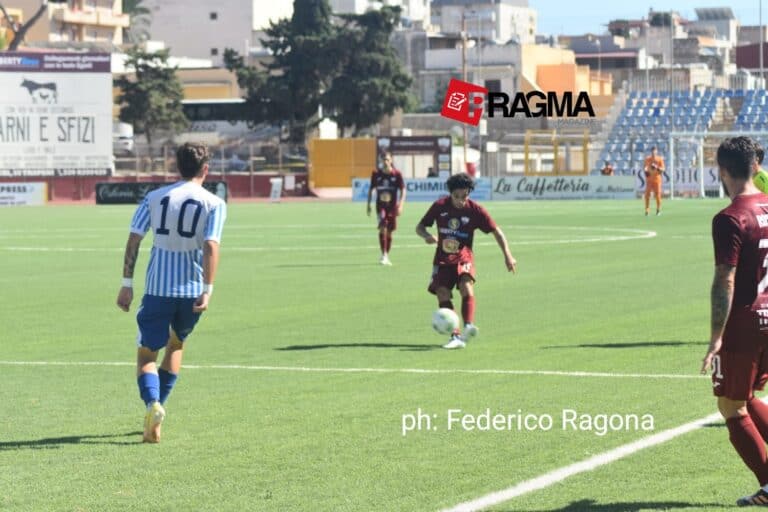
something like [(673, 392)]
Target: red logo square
[(464, 102)]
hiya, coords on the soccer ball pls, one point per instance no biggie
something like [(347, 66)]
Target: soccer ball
[(445, 321)]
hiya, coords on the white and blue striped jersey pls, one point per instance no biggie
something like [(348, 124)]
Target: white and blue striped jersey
[(182, 216)]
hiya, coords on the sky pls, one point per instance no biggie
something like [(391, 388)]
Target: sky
[(581, 16)]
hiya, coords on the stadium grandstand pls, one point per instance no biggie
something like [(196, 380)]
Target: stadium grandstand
[(649, 117)]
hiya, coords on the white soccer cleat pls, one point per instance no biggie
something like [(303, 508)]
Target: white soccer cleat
[(470, 331), (385, 260), (152, 422), (455, 342)]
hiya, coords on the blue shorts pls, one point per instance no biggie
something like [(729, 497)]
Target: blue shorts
[(159, 314)]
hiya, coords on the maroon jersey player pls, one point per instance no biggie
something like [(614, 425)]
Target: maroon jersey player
[(738, 348), (387, 182), (457, 217)]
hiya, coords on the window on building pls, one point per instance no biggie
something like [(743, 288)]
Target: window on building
[(214, 52), (493, 85), (214, 16)]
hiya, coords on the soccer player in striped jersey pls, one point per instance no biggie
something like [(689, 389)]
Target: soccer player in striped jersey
[(187, 222)]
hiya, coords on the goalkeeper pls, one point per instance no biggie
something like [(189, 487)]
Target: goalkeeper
[(654, 173)]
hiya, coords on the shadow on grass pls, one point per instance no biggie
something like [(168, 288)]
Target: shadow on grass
[(413, 348), (634, 344), (57, 442), (593, 506)]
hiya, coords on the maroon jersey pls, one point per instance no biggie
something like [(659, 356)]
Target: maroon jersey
[(386, 185), (456, 228), (740, 235)]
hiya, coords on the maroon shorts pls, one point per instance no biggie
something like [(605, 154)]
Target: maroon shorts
[(388, 219), (741, 366), (447, 276)]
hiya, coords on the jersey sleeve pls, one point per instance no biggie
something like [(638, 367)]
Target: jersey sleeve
[(761, 181), (726, 235), (215, 224), (141, 218), (429, 218), (485, 223)]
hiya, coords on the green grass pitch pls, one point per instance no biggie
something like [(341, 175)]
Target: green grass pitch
[(296, 385)]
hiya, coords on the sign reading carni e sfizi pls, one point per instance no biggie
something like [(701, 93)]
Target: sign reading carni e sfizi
[(55, 113)]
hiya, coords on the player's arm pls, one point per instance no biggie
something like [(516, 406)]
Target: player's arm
[(125, 296), (210, 264), (428, 237), (402, 198), (370, 195), (213, 231), (721, 297), (509, 260)]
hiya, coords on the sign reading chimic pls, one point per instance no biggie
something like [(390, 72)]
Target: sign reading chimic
[(464, 102)]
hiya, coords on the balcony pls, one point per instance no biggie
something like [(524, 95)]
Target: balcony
[(66, 15), (108, 18)]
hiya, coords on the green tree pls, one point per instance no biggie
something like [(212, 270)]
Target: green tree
[(141, 19), (151, 99), (372, 82), (289, 89)]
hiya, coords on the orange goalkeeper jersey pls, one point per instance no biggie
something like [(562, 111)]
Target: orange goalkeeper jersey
[(654, 166)]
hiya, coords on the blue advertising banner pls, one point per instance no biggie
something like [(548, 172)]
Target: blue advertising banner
[(426, 189)]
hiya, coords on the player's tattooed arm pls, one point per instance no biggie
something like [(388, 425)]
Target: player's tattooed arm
[(721, 297), (131, 254)]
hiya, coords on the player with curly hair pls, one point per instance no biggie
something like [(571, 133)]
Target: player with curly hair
[(457, 217)]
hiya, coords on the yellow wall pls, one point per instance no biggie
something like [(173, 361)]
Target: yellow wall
[(536, 55), (555, 69), (335, 162), (558, 78)]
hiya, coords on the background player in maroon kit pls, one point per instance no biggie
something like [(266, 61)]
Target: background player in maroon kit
[(738, 348), (386, 181), (457, 218)]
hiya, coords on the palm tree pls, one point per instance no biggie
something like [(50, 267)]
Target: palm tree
[(141, 19)]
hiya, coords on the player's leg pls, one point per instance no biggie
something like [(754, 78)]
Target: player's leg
[(444, 295), (647, 197), (153, 318), (733, 377), (382, 226), (444, 280), (170, 367), (383, 234), (391, 227), (757, 409), (467, 291), (657, 196), (182, 325)]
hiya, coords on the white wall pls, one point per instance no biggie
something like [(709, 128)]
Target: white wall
[(188, 30)]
